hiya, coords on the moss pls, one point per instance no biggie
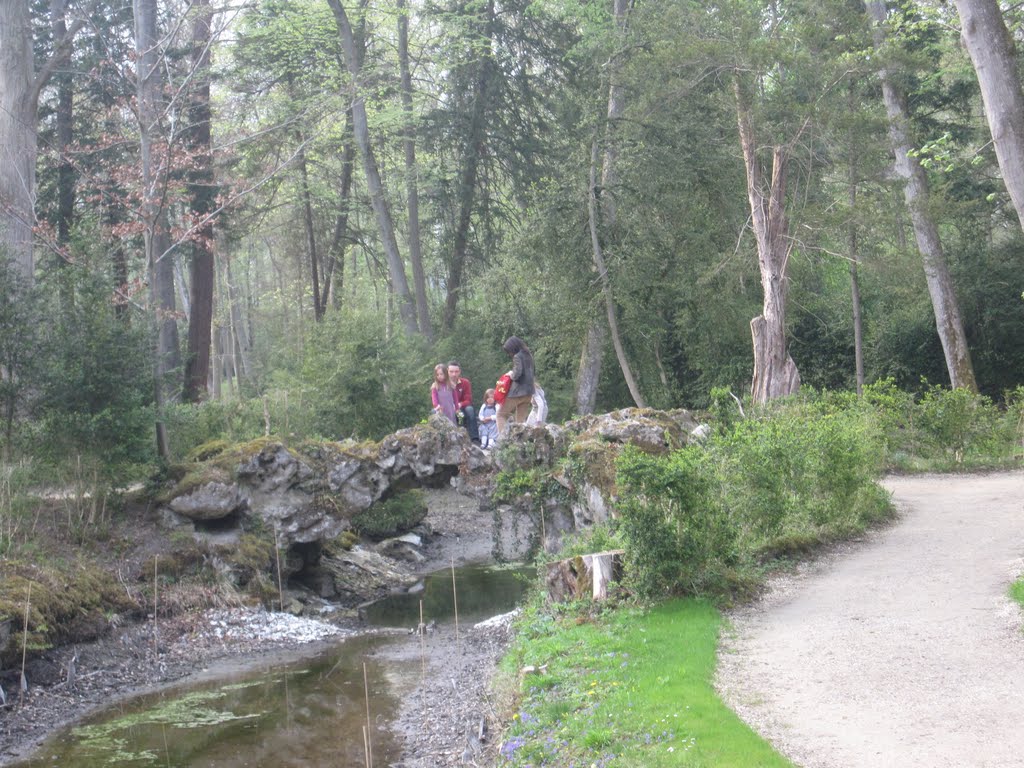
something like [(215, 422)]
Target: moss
[(341, 543), (593, 461), (208, 450), (66, 604), (253, 554), (392, 517)]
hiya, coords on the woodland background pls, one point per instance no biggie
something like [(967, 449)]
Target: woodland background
[(225, 219)]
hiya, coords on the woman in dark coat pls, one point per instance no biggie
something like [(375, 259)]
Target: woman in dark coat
[(517, 404)]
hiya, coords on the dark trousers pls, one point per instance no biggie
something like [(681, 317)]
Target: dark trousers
[(470, 423)]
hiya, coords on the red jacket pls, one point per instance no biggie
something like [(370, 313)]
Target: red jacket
[(501, 389), (463, 393)]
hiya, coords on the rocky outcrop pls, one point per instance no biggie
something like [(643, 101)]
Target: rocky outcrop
[(309, 493)]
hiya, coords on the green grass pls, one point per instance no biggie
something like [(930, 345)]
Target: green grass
[(630, 688), (1017, 591)]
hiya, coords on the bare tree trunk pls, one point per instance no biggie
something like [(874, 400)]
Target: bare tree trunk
[(156, 236), (378, 200), (916, 194), (475, 147), (310, 229), (775, 373), (203, 194), (65, 107), (419, 278), (241, 343), (588, 374), (334, 264), (992, 51), (17, 136), (606, 289), (858, 325)]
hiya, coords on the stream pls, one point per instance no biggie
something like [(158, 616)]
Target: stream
[(308, 713)]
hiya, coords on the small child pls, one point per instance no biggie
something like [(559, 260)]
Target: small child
[(488, 421)]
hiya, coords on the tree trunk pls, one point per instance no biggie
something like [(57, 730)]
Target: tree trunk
[(475, 147), (411, 185), (992, 52), (775, 373), (161, 272), (334, 264), (916, 194), (63, 119), (588, 374), (17, 136), (396, 268), (310, 229), (606, 289), (858, 326), (203, 201)]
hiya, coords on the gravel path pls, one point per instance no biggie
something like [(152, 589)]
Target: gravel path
[(900, 650)]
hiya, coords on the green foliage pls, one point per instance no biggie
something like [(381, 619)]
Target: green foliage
[(1016, 591), (702, 518), (678, 537), (957, 421), (96, 385), (943, 428), (359, 382), (391, 517), (65, 603), (20, 315)]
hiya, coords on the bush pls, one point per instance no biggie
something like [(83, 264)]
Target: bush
[(391, 517), (359, 382), (701, 519), (678, 536)]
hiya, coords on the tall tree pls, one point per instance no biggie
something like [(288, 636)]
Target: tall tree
[(588, 374), (475, 143), (775, 373), (992, 51), (156, 234), (17, 135), (411, 171), (20, 85), (916, 193), (202, 194), (375, 185)]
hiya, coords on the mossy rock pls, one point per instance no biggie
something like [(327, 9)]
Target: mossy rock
[(208, 450), (65, 604), (391, 517), (592, 461)]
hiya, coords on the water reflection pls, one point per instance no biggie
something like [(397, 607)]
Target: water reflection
[(480, 592), (307, 714)]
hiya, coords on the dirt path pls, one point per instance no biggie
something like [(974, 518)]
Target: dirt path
[(902, 650)]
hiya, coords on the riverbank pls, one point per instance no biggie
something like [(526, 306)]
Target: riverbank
[(139, 658)]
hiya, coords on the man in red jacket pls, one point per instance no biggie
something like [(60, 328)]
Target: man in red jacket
[(464, 400)]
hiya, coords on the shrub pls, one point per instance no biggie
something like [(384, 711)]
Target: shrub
[(677, 534), (391, 517)]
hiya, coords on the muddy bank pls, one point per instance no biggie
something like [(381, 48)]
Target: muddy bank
[(434, 721)]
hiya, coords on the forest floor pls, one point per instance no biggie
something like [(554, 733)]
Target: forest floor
[(902, 649), (434, 727)]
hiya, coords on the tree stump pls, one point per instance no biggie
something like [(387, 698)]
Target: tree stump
[(583, 576)]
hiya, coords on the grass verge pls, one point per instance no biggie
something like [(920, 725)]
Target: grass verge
[(1017, 591), (631, 687)]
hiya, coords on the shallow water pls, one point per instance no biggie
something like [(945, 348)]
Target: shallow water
[(309, 713), (480, 592)]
